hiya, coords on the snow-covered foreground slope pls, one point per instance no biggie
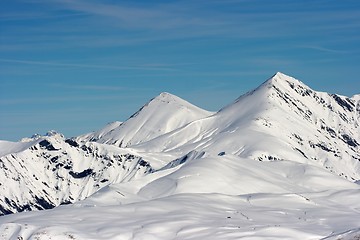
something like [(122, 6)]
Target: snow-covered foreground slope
[(220, 197), (280, 162)]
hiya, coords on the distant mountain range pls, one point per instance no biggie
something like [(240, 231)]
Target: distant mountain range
[(282, 137)]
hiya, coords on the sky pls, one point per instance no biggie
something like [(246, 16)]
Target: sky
[(74, 66)]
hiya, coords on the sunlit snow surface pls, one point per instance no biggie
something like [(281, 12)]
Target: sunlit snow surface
[(222, 197), (281, 162)]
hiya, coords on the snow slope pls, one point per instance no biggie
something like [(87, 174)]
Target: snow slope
[(281, 119), (96, 135), (280, 162), (50, 170), (221, 197), (162, 114)]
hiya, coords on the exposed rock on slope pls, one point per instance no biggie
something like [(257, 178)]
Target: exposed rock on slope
[(283, 119), (49, 171)]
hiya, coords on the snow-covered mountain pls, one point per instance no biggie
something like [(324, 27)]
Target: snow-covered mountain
[(96, 135), (280, 162), (160, 115), (283, 119), (44, 172)]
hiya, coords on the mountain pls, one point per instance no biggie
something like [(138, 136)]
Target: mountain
[(96, 135), (219, 197), (280, 162), (160, 115), (283, 119), (47, 171)]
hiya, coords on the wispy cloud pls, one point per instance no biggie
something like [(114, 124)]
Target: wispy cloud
[(58, 64), (62, 99), (273, 62), (322, 49), (150, 16), (20, 16), (141, 23), (99, 87), (91, 87)]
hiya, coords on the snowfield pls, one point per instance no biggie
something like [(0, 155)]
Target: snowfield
[(223, 197), (280, 162)]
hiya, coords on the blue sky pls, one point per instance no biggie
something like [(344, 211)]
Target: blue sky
[(74, 66)]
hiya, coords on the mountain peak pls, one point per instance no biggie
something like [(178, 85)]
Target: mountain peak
[(278, 82), (165, 94), (162, 114), (280, 78), (166, 97), (286, 83), (280, 75)]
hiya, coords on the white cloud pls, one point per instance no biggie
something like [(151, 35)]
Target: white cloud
[(112, 67)]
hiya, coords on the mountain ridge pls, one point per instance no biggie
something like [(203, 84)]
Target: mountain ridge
[(160, 115), (280, 103), (280, 162), (281, 120)]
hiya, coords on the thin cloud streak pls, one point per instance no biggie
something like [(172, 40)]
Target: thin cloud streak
[(93, 87), (36, 16), (161, 16), (178, 15), (98, 87), (323, 49), (61, 99), (164, 22), (56, 64)]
